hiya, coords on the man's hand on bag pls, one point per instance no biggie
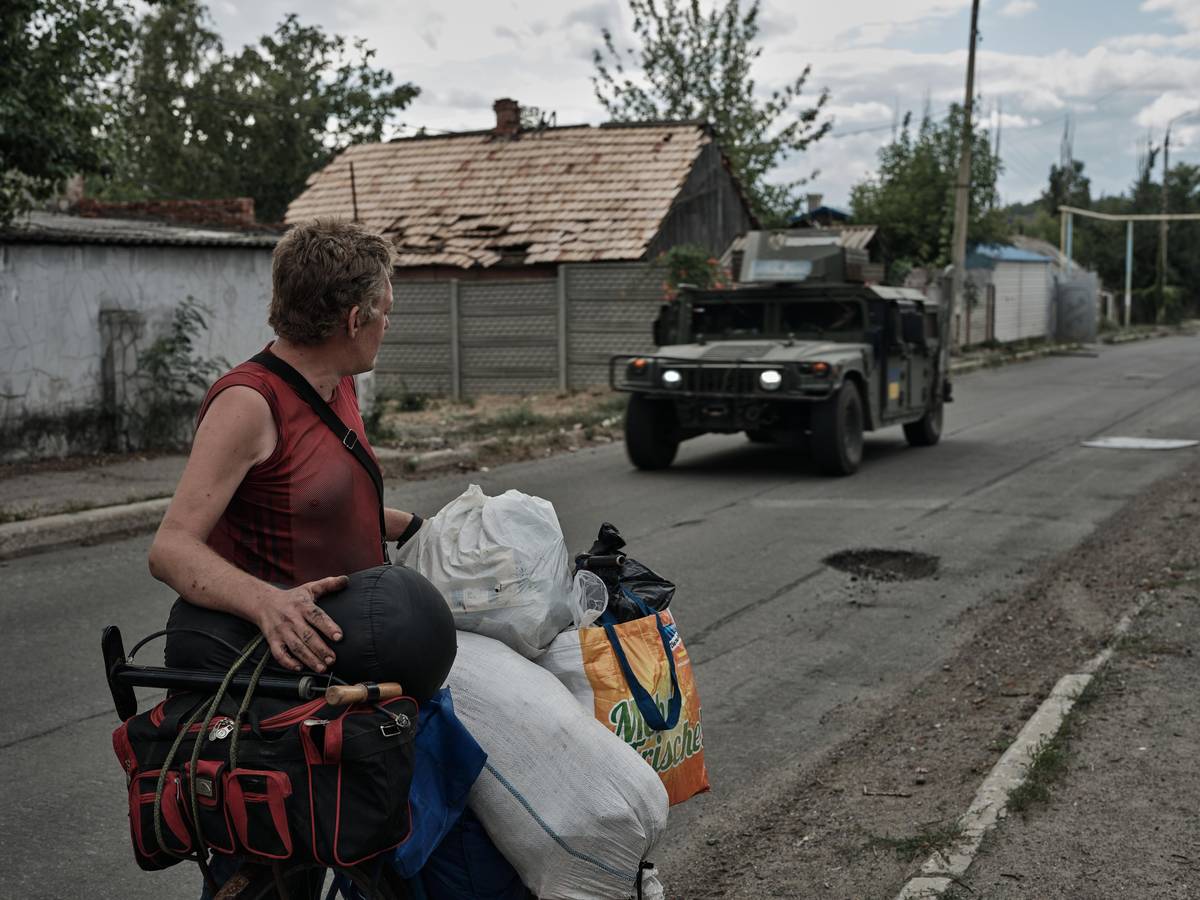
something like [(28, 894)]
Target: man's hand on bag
[(293, 625)]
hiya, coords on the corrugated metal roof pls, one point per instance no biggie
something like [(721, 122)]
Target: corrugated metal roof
[(1037, 245), (856, 236), (576, 194), (58, 228), (1005, 253)]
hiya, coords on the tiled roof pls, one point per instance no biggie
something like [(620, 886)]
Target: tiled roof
[(58, 228), (577, 194)]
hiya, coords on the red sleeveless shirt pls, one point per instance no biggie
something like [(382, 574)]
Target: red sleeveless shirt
[(309, 510)]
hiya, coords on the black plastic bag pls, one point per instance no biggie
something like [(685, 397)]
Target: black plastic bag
[(624, 577)]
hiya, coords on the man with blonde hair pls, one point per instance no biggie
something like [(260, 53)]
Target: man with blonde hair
[(273, 509)]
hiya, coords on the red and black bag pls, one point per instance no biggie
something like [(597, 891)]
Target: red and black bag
[(272, 780)]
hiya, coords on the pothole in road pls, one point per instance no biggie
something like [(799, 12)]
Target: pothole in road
[(884, 565)]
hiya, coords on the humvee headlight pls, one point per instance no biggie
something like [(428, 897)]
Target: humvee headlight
[(770, 380), (820, 369), (672, 378)]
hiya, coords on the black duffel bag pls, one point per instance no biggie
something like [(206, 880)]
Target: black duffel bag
[(305, 781)]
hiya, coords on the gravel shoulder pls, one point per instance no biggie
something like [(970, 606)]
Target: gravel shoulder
[(1122, 820), (862, 820)]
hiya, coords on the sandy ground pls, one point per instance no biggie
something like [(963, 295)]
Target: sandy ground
[(862, 821), (1122, 822)]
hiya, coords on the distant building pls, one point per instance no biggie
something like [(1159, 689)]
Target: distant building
[(818, 215), (1010, 295)]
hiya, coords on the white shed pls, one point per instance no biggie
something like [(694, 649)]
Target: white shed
[(1012, 297)]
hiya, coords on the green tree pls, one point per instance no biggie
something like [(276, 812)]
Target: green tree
[(911, 197), (205, 123), (1068, 186), (1100, 245), (693, 65), (55, 56)]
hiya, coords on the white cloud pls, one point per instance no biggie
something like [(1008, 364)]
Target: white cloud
[(1018, 8), (1006, 121), (1186, 13), (1132, 42), (871, 113), (1167, 106), (1111, 90)]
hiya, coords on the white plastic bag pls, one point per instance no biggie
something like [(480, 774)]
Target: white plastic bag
[(568, 803), (502, 565)]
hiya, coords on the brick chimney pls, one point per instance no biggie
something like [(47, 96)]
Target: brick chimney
[(508, 117)]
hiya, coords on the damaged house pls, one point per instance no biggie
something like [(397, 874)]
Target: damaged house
[(526, 255)]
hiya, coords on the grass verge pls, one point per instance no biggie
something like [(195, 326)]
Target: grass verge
[(1051, 758), (922, 844)]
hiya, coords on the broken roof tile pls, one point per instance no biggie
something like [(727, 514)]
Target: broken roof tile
[(570, 194)]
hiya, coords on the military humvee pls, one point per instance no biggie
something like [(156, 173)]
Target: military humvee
[(801, 351)]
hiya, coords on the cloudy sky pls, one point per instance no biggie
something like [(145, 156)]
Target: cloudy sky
[(1117, 70)]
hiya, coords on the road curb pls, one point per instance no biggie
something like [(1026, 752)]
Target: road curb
[(946, 868), (966, 366), (33, 535)]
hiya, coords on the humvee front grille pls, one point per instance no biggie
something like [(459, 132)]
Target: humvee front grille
[(720, 380)]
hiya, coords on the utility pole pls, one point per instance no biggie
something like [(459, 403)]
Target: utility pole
[(962, 196), (1162, 226)]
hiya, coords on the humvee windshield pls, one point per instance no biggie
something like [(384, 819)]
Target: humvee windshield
[(730, 319), (800, 318), (821, 316)]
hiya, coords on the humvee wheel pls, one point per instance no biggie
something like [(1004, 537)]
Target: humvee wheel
[(927, 430), (837, 432), (651, 432)]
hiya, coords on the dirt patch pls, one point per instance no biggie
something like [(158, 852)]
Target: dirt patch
[(858, 823), (1130, 759), (884, 565), (497, 429)]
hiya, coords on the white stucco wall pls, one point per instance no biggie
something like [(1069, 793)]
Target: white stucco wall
[(51, 296)]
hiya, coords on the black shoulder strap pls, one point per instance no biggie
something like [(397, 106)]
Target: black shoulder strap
[(346, 435)]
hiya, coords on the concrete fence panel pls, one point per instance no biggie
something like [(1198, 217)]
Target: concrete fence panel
[(508, 333), (416, 352), (458, 337), (610, 309)]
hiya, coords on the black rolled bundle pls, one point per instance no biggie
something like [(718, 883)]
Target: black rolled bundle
[(395, 624)]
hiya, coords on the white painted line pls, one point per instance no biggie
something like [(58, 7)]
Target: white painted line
[(1140, 443), (944, 868)]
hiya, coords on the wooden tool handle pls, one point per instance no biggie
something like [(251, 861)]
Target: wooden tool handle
[(341, 694)]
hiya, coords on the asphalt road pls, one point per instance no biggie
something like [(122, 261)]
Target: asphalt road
[(787, 664)]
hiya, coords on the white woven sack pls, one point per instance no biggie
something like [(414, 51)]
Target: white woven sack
[(567, 802), (502, 565)]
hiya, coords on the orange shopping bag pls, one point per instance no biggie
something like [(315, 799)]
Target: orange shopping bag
[(638, 680)]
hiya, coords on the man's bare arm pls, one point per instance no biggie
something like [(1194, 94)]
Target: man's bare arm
[(237, 433)]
